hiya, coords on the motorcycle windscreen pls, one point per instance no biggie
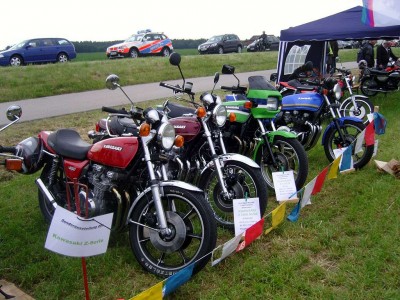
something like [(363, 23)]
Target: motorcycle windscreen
[(114, 152), (305, 101)]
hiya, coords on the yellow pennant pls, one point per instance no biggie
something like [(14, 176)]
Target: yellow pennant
[(278, 215), (334, 168), (153, 293)]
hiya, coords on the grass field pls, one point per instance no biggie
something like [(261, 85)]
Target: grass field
[(346, 245)]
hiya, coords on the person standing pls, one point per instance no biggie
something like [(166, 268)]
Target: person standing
[(263, 37), (383, 55), (332, 54), (368, 53)]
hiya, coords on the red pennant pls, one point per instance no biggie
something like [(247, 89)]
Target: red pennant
[(320, 181), (370, 134), (251, 233)]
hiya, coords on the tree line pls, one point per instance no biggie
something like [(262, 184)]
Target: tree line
[(90, 46)]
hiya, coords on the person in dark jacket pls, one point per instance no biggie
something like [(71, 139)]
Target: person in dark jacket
[(332, 54), (301, 72), (368, 53), (383, 55)]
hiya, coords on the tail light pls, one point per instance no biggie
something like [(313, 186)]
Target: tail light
[(97, 127)]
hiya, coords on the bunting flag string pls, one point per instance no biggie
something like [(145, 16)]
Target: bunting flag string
[(241, 241)]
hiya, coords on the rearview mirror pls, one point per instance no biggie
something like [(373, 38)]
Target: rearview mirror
[(175, 59), (227, 69), (14, 112), (112, 82), (273, 77)]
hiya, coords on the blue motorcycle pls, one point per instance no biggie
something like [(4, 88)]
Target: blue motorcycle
[(304, 114)]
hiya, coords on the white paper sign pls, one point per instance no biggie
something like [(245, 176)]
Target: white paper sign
[(71, 235), (375, 148), (246, 212), (284, 185)]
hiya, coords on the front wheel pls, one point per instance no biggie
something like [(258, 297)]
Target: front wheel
[(359, 108), (350, 130), (62, 58), (289, 155), (133, 53), (193, 232), (368, 87), (241, 181)]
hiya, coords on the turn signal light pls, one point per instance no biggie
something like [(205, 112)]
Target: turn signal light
[(201, 112), (325, 92), (144, 129), (179, 141), (232, 117), (14, 164), (248, 104)]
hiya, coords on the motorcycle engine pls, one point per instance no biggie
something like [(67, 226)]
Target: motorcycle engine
[(100, 198)]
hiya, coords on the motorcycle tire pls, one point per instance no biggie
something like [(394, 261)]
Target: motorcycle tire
[(194, 232), (366, 85), (351, 130), (363, 108), (57, 189), (241, 180), (289, 155)]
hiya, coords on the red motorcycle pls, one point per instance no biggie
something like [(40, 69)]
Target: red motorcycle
[(201, 161), (170, 223)]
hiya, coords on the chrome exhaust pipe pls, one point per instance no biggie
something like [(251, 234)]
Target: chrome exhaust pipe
[(46, 193)]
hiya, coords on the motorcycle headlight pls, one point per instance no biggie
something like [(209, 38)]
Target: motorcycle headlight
[(219, 115), (166, 136), (272, 103), (337, 90)]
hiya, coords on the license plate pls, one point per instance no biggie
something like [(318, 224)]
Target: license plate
[(113, 53)]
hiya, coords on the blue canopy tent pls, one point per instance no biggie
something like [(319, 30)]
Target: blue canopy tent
[(309, 41)]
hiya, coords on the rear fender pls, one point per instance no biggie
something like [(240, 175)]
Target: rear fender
[(341, 122)]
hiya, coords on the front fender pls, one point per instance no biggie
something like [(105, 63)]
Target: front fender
[(169, 183), (286, 134), (238, 157), (341, 122)]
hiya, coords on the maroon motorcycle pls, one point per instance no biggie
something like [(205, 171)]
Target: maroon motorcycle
[(170, 223)]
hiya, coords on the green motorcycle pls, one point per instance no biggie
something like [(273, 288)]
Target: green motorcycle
[(250, 112)]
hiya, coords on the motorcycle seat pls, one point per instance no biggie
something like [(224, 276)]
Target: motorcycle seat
[(177, 110), (379, 72), (68, 143)]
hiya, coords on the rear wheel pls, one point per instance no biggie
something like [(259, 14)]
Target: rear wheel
[(241, 181), (350, 129), (165, 52), (193, 232), (289, 155), (62, 58)]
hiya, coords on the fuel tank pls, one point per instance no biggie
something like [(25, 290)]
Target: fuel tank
[(304, 101), (115, 152), (188, 127)]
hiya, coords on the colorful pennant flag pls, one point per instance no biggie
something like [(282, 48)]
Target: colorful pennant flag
[(347, 159), (334, 170), (359, 142), (320, 181), (155, 292), (178, 279), (381, 13), (251, 234), (227, 249), (295, 213), (370, 134), (278, 214)]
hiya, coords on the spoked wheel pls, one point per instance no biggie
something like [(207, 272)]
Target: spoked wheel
[(289, 155), (241, 181), (193, 232), (368, 87), (350, 129), (360, 108)]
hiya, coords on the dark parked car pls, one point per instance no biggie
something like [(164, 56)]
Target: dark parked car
[(256, 45), (41, 50), (224, 43)]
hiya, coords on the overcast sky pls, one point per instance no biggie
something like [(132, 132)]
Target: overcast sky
[(97, 20)]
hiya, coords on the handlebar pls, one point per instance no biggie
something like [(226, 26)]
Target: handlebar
[(11, 150), (114, 111), (176, 88)]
